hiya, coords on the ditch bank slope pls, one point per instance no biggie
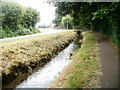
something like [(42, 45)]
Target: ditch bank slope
[(21, 56), (83, 71)]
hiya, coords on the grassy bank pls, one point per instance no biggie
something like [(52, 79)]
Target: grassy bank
[(21, 56), (83, 70)]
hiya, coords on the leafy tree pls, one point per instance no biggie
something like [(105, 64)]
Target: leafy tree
[(106, 20), (30, 18), (98, 16), (15, 17), (11, 15), (61, 10), (67, 22)]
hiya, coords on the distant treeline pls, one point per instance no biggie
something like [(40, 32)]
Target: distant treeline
[(99, 16), (17, 19), (43, 26)]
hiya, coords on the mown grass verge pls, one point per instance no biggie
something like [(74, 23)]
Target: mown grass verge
[(22, 56), (83, 70)]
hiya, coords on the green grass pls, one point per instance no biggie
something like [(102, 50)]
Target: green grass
[(85, 65)]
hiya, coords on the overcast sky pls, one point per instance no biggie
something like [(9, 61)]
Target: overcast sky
[(47, 11)]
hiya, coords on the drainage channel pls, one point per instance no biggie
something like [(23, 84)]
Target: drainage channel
[(48, 73), (43, 76)]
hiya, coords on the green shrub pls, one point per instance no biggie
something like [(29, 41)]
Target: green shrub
[(19, 32), (17, 19), (23, 31), (2, 33)]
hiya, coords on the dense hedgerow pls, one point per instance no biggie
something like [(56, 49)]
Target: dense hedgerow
[(19, 32)]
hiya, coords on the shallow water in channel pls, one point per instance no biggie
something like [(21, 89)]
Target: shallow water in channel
[(45, 75), (48, 73)]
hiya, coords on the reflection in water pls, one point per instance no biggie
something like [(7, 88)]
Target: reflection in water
[(43, 77)]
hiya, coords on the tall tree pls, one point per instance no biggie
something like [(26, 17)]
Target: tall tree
[(30, 18), (67, 22), (11, 15), (98, 16)]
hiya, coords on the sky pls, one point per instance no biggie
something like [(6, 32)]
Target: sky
[(47, 11)]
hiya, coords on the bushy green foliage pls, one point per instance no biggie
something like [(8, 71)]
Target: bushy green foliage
[(67, 22), (11, 15), (79, 11), (2, 33), (30, 18), (19, 32), (17, 20), (99, 16), (106, 20)]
